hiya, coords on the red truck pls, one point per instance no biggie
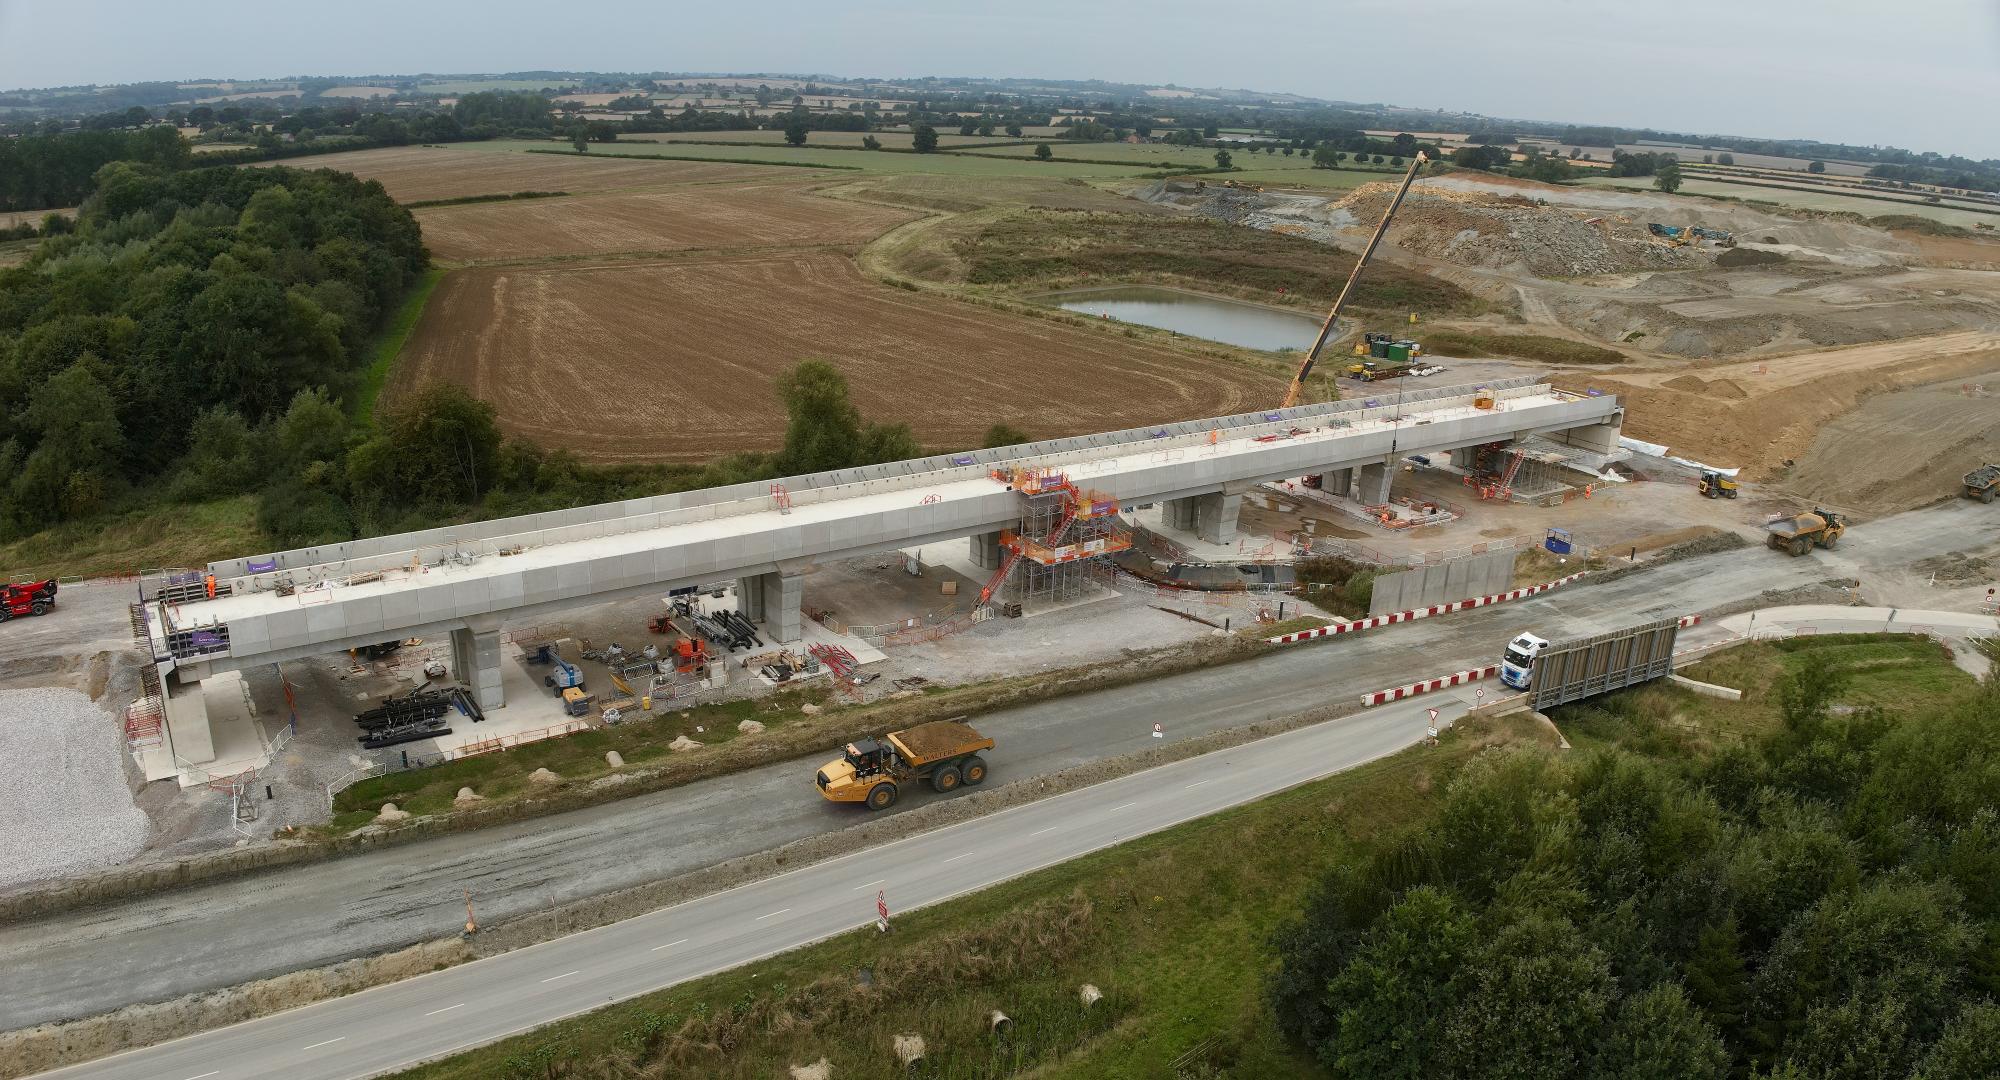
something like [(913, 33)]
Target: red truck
[(26, 598)]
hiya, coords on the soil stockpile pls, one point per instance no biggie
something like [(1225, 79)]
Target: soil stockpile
[(1514, 232), (67, 808)]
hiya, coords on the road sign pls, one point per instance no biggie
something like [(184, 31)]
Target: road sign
[(881, 905), (1159, 732), (1434, 716)]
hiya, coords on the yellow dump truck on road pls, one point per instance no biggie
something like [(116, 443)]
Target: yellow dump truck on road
[(871, 771)]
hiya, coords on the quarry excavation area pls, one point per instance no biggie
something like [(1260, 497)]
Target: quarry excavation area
[(676, 360), (707, 216), (1583, 259)]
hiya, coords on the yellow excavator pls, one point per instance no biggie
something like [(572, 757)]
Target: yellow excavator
[(1298, 386)]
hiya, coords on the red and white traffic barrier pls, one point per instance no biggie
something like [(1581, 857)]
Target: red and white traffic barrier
[(1456, 678), (1374, 621), (1688, 620)]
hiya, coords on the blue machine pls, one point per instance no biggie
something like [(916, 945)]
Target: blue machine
[(565, 676), (1558, 541)]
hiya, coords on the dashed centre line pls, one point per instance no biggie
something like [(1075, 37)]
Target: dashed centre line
[(955, 858), (668, 945), (564, 975), (1198, 783), (1127, 806), (772, 915), (317, 1045), (446, 1009), (1050, 829), (870, 885)]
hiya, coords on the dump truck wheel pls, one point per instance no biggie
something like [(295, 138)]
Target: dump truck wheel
[(882, 796), (946, 778), (1829, 542), (1730, 494), (973, 772), (39, 607), (1987, 495), (1800, 547)]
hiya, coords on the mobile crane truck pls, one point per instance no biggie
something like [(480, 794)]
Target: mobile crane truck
[(872, 771)]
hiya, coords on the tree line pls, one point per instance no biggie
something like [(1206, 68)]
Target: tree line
[(1819, 902)]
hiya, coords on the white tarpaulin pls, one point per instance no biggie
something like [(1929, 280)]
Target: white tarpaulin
[(1659, 450)]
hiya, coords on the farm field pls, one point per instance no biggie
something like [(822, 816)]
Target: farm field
[(945, 164), (776, 137), (418, 174), (1807, 200), (651, 221), (473, 86), (627, 362), (358, 92)]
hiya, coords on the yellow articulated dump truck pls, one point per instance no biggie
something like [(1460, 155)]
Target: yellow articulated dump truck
[(871, 771)]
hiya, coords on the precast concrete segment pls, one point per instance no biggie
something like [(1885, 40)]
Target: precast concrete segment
[(756, 536), (432, 1015), (1394, 617), (1425, 686)]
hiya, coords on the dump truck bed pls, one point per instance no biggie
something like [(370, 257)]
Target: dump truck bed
[(1984, 476), (937, 740)]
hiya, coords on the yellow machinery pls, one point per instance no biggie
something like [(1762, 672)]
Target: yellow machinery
[(1983, 483), (1298, 386), (1798, 535), (1717, 486), (872, 771)]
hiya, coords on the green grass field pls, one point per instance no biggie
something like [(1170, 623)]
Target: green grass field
[(776, 137), (1807, 200), (389, 344), (937, 164)]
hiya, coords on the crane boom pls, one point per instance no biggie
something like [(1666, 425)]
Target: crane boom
[(1326, 329)]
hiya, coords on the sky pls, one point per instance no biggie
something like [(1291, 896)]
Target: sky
[(1920, 74)]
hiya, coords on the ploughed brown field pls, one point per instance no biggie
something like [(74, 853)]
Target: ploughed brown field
[(703, 216), (676, 360), (420, 174)]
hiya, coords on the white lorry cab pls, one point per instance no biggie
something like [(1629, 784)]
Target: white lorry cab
[(1517, 664)]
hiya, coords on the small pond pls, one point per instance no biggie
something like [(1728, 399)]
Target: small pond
[(1193, 314)]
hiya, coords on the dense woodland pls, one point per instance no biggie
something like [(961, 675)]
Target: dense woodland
[(1823, 902)]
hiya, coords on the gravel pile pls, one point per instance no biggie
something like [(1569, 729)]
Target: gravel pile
[(66, 808), (1513, 232)]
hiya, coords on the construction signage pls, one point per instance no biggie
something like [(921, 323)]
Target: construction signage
[(1584, 667)]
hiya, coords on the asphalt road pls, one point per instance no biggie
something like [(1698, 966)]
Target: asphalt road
[(159, 947), (431, 1015)]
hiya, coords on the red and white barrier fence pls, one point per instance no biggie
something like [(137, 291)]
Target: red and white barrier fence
[(1456, 678), (1689, 620), (1417, 613)]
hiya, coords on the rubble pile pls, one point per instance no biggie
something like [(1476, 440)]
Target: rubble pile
[(1513, 232)]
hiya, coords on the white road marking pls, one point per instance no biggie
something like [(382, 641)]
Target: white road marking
[(1115, 809), (1198, 783), (955, 858), (870, 885), (211, 1072), (446, 1009), (1039, 832), (564, 975), (317, 1045), (669, 945), (772, 915)]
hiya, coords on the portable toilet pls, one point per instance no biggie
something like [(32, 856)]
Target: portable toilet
[(1558, 541)]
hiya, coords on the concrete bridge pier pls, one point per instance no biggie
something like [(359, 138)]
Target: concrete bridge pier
[(771, 600), (1373, 486), (1215, 516), (475, 659), (1337, 482), (986, 552), (1179, 513)]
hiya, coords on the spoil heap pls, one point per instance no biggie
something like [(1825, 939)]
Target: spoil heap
[(1515, 233)]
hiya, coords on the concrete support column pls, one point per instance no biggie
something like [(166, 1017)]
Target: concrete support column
[(750, 597), (1373, 488), (782, 596), (1180, 513), (772, 602), (986, 550), (1215, 517), (475, 659), (1337, 481), (188, 732), (1466, 457)]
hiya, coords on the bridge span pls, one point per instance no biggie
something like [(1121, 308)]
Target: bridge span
[(465, 581)]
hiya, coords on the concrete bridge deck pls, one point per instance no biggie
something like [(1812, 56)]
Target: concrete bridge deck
[(289, 605)]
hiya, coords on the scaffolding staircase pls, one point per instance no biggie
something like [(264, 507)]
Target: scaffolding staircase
[(1518, 454)]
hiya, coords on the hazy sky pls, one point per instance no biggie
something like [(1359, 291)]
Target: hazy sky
[(1923, 74)]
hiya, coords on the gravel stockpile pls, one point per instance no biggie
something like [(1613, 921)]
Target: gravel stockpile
[(66, 807)]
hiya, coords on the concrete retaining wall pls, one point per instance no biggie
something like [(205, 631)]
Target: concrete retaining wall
[(1473, 575)]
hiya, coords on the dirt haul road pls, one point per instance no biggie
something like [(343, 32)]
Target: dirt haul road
[(212, 936), (1755, 414), (621, 362)]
